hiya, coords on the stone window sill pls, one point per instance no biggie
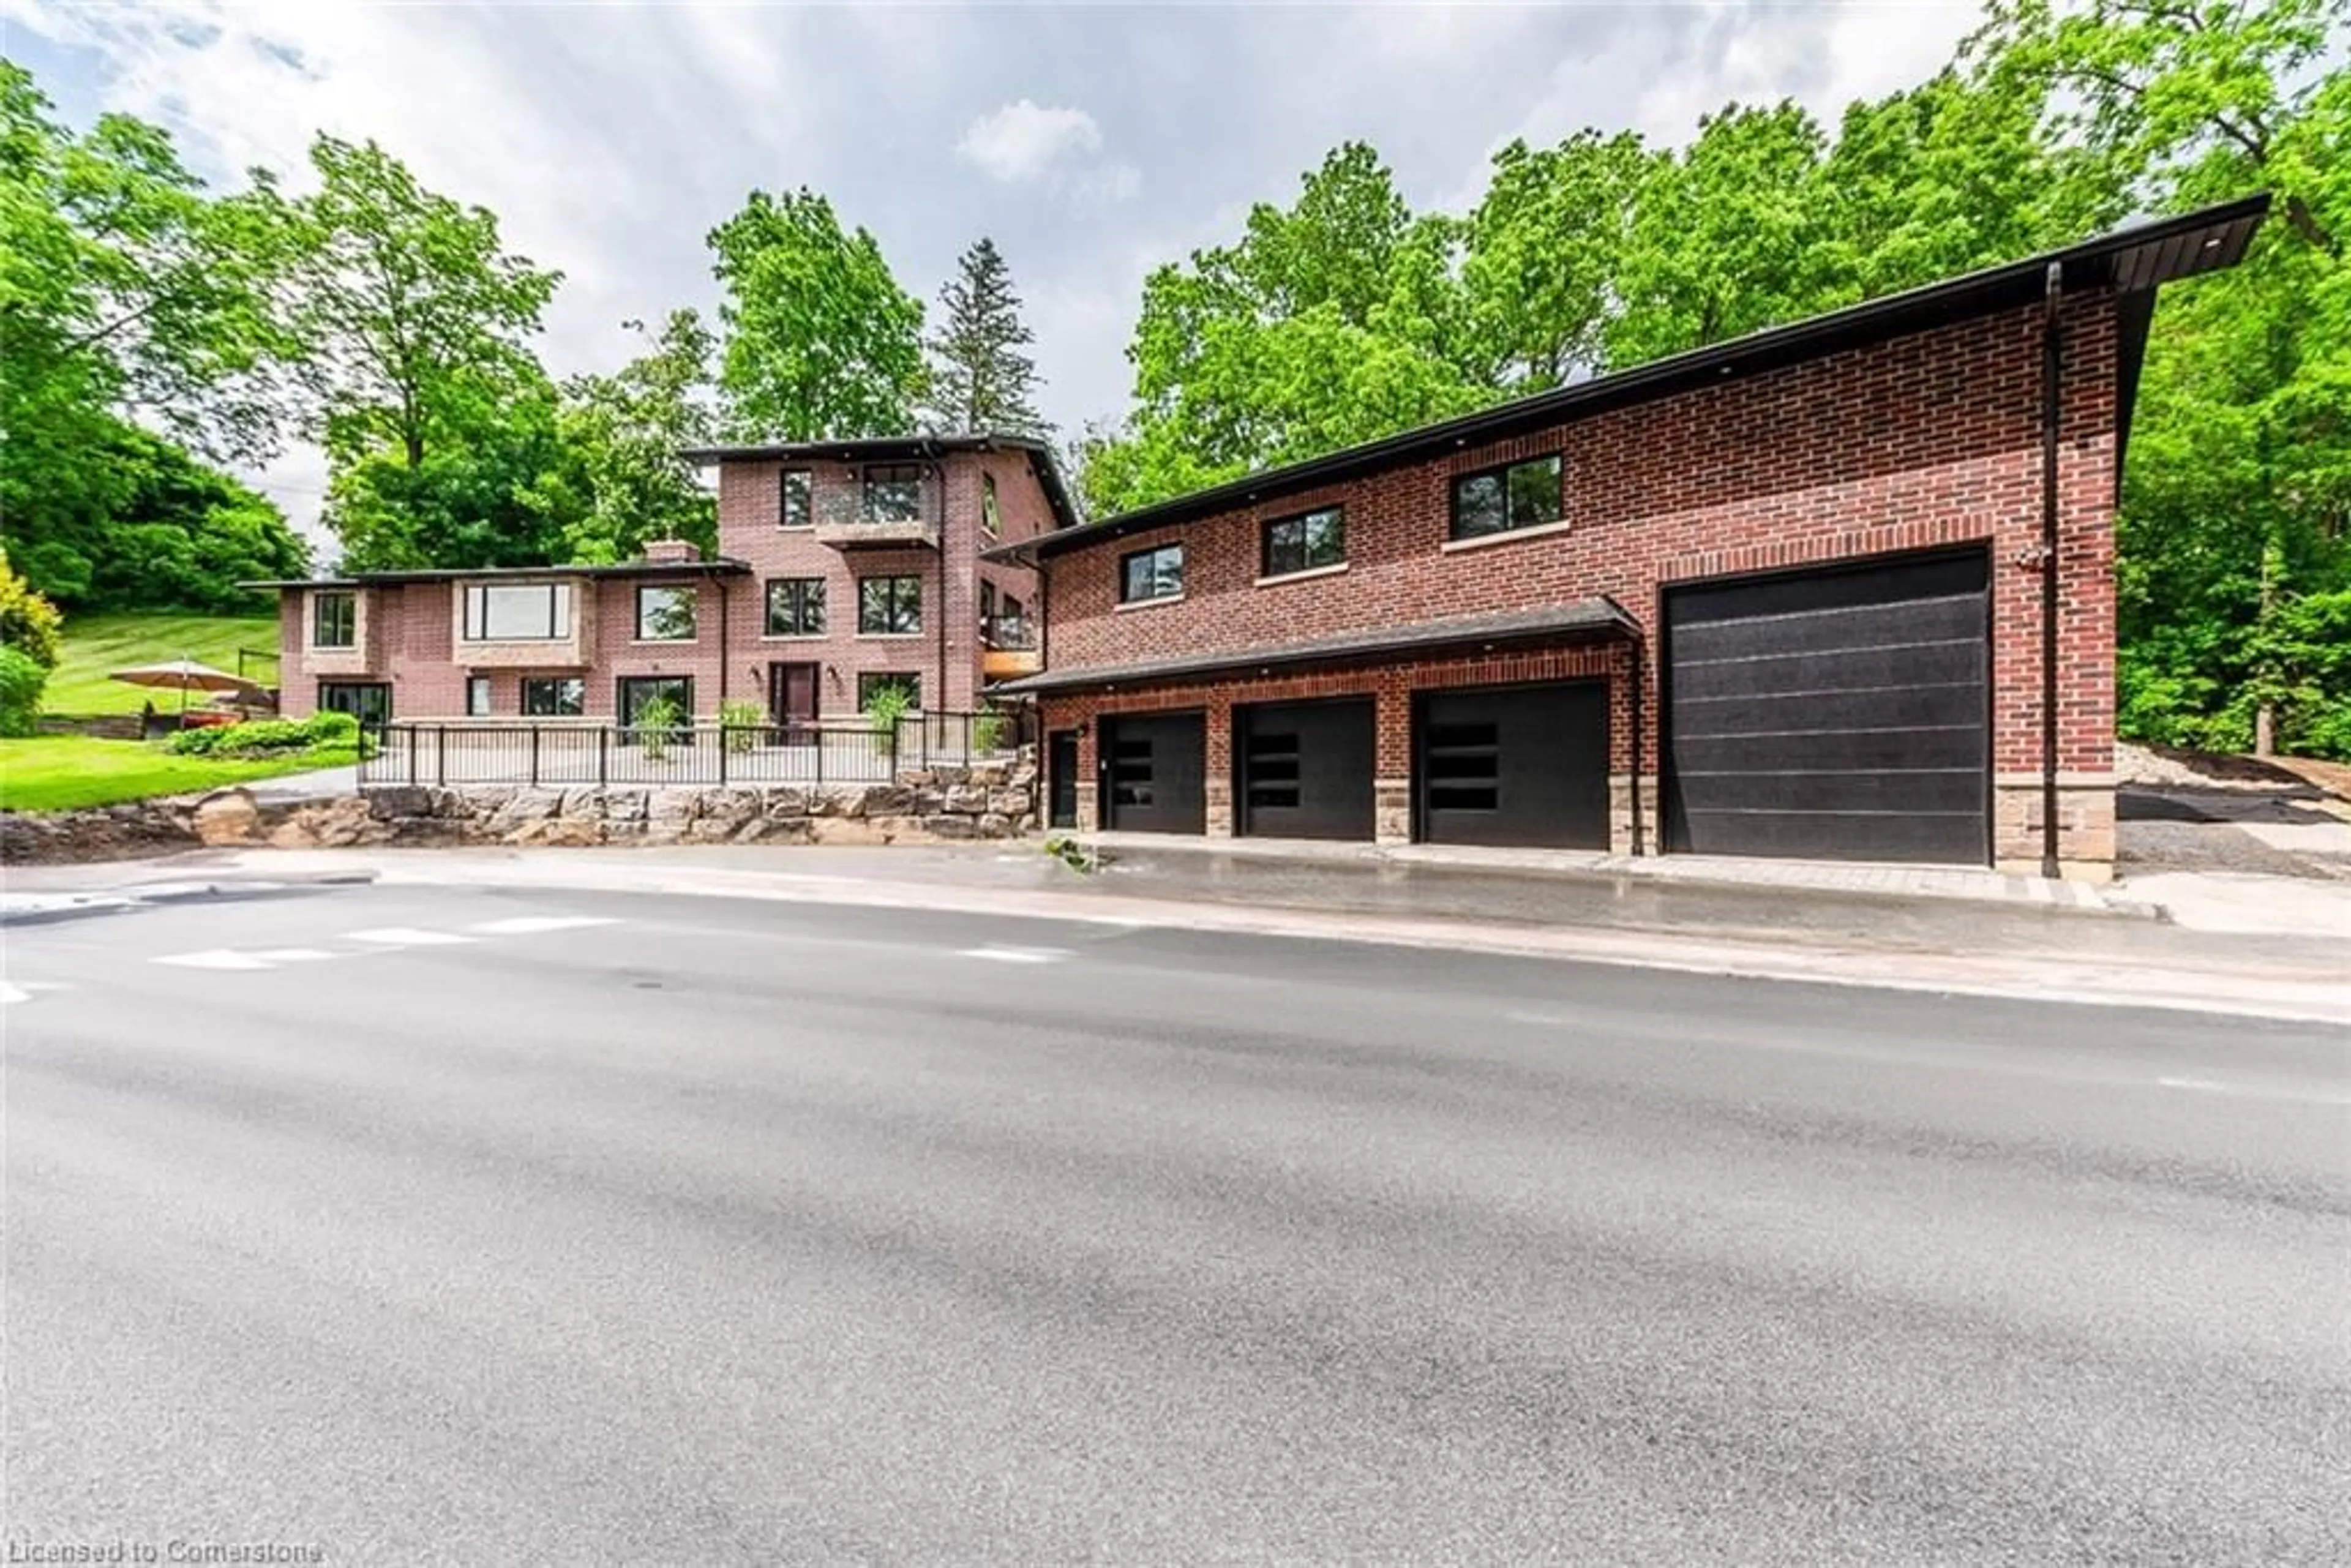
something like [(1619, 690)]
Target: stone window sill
[(1507, 536), (1165, 598), (1278, 579)]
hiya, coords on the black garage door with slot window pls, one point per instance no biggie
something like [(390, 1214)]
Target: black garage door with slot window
[(1155, 770), (1305, 769), (1834, 714), (1516, 765)]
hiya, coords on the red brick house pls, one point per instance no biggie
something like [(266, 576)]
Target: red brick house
[(1797, 585), (842, 564)]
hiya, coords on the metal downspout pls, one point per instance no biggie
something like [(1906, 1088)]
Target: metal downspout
[(2052, 372), (1639, 677)]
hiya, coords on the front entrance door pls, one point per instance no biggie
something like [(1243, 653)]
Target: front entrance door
[(792, 700), (1061, 768)]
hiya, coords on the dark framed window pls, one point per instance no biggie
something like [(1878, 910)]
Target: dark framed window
[(554, 697), (633, 692), (872, 681), (477, 696), (894, 493), (334, 620), (991, 521), (1302, 543), (665, 614), (889, 606), (1499, 500), (795, 502), (1012, 625), (518, 611), (986, 612), (796, 607), (1154, 573), (369, 702)]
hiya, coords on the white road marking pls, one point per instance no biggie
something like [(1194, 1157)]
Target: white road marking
[(407, 936), (532, 925), (11, 995), (1017, 954), (2252, 1091), (293, 955), (215, 958)]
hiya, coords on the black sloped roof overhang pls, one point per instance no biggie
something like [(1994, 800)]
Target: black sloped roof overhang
[(1587, 619), (2132, 262), (710, 566)]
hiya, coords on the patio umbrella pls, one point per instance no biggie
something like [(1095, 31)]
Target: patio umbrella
[(183, 675)]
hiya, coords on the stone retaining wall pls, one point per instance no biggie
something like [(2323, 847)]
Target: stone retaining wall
[(986, 800)]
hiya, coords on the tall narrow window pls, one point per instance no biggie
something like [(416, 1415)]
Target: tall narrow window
[(334, 620), (796, 507), (477, 696), (889, 606), (991, 521), (986, 610)]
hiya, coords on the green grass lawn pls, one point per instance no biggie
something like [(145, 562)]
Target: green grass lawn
[(96, 646), (60, 772)]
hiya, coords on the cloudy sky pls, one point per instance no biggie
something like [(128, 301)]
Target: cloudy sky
[(1092, 142)]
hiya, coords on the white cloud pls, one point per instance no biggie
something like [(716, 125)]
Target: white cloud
[(1025, 141)]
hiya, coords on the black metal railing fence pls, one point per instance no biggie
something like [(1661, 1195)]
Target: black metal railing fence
[(586, 753)]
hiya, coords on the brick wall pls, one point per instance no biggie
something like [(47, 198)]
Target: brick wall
[(407, 632), (1927, 440), (750, 504)]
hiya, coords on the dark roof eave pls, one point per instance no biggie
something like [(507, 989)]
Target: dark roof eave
[(1591, 618), (2129, 260), (715, 566)]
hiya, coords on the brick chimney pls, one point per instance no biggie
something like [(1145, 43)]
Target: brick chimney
[(670, 552)]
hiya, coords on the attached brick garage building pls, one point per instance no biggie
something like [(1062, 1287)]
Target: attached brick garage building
[(1792, 584)]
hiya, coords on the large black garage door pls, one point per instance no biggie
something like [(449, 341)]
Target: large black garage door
[(1840, 715), (1305, 769), (1524, 764), (1154, 769)]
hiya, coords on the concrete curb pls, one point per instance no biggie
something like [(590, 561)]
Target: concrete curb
[(2281, 991)]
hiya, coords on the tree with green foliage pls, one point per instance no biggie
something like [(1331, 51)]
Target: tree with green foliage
[(28, 622), (1544, 248), (415, 325), (132, 301), (622, 437), (22, 679), (819, 339), (2237, 496), (978, 378), (1332, 321)]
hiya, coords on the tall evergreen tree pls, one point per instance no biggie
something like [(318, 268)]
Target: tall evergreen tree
[(979, 379)]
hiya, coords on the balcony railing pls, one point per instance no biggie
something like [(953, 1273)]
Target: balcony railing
[(878, 533), (1009, 648)]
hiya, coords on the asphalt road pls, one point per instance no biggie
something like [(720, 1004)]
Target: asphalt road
[(417, 1225)]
